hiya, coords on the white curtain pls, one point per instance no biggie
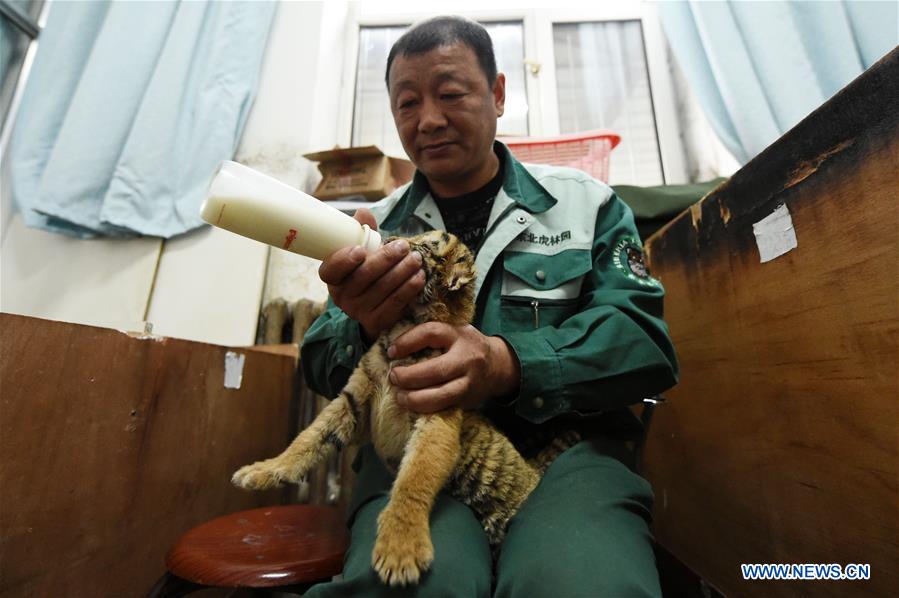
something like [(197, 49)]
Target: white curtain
[(129, 108), (758, 68)]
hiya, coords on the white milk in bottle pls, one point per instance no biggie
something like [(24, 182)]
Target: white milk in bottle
[(254, 205)]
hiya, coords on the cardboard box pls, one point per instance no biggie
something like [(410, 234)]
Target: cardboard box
[(359, 172)]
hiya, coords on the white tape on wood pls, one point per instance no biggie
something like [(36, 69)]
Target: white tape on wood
[(774, 234), (234, 369)]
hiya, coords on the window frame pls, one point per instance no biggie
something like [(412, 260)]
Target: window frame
[(32, 28), (357, 21), (537, 23), (22, 21)]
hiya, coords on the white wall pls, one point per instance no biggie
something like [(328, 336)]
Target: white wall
[(298, 109), (100, 282), (206, 285), (298, 112), (103, 282)]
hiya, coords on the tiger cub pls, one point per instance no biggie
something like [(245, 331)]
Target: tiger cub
[(454, 448)]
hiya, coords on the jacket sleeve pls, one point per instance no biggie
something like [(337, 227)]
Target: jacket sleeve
[(332, 347), (615, 349)]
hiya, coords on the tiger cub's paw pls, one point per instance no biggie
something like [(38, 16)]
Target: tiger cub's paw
[(263, 475), (403, 550)]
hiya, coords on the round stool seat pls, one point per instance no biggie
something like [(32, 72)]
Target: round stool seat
[(262, 548)]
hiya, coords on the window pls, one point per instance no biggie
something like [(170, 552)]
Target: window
[(372, 119), (602, 83), (18, 28), (604, 66)]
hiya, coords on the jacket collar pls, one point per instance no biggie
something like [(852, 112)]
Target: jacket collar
[(518, 184)]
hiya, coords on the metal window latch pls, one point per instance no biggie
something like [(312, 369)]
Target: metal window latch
[(532, 66), (20, 19)]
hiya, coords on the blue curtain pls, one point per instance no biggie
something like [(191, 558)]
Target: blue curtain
[(758, 68), (129, 108)]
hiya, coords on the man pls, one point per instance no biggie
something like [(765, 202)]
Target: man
[(568, 333)]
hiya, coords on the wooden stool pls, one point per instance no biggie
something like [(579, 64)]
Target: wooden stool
[(285, 548)]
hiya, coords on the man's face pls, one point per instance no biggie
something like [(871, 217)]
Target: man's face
[(445, 113)]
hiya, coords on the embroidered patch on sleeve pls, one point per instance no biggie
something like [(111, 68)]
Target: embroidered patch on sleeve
[(628, 258)]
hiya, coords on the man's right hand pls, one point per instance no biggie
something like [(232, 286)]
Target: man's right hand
[(373, 288)]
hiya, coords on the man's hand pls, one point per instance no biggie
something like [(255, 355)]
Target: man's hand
[(472, 368), (373, 288)]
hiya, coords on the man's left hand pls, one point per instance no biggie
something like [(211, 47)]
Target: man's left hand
[(472, 368)]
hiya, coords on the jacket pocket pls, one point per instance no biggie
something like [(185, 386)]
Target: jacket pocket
[(542, 290)]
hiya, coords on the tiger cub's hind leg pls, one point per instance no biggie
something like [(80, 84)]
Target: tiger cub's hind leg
[(335, 427)]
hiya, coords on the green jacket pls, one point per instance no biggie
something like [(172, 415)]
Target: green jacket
[(560, 278)]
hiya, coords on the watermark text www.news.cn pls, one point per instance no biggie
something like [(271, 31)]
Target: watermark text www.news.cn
[(805, 571)]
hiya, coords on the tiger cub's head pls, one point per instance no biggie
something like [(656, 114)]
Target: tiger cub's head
[(448, 294)]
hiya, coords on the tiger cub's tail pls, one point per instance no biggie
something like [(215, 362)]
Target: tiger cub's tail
[(491, 477), (558, 445)]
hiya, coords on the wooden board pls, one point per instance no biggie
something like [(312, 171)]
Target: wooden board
[(780, 444), (113, 446)]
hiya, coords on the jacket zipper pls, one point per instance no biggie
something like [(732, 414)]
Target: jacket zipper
[(536, 304)]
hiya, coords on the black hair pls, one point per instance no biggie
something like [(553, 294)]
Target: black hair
[(445, 31)]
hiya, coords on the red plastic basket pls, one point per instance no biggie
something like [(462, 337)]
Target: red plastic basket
[(589, 151)]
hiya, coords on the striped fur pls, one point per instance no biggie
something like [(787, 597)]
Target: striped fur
[(461, 451)]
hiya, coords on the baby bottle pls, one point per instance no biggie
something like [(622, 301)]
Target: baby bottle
[(254, 205)]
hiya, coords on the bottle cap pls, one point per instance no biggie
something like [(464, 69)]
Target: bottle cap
[(371, 241)]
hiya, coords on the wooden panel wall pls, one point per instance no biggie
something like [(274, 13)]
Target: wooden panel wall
[(781, 443), (112, 446)]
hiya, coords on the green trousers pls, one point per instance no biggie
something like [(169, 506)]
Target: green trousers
[(584, 531)]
